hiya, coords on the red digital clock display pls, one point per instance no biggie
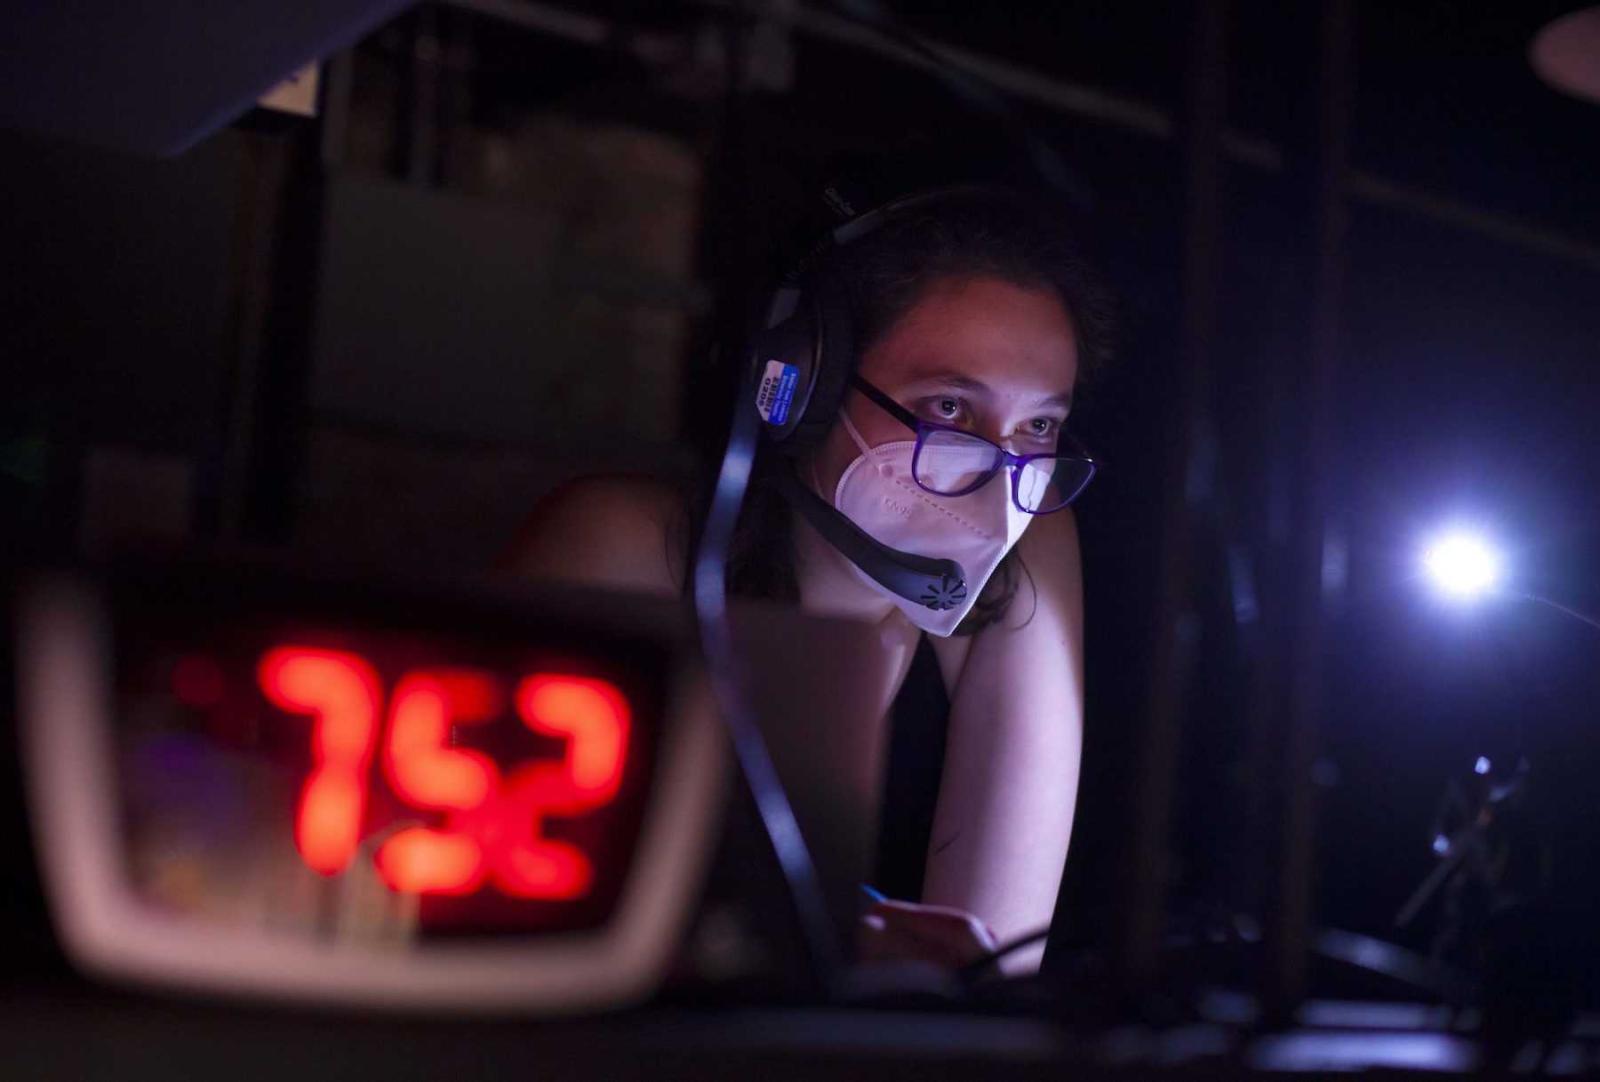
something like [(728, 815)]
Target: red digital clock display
[(310, 776), (491, 827)]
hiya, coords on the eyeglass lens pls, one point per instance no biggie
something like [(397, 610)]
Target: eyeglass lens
[(952, 463), (1047, 484)]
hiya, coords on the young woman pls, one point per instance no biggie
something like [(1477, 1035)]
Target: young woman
[(974, 323)]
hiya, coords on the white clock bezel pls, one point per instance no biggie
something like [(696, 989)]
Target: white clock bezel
[(64, 672)]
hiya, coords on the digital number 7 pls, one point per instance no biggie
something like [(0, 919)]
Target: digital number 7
[(342, 693)]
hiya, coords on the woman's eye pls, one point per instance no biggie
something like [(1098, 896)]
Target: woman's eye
[(948, 408), (1042, 427)]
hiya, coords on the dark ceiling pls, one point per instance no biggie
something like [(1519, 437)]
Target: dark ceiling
[(1446, 99)]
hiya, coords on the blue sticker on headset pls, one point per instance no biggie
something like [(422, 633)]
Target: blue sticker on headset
[(776, 394)]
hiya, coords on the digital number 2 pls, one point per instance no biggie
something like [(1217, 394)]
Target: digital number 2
[(594, 719)]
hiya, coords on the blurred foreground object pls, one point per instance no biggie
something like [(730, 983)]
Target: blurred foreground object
[(82, 70), (272, 784), (1566, 54)]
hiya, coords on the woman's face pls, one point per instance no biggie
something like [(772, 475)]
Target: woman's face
[(977, 353)]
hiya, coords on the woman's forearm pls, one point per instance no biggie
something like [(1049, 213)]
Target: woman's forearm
[(999, 848)]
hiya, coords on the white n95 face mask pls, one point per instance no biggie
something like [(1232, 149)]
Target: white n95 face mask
[(878, 493)]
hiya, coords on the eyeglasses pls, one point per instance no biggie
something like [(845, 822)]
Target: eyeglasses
[(950, 461)]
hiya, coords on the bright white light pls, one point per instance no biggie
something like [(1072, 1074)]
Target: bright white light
[(1462, 565), (1482, 766)]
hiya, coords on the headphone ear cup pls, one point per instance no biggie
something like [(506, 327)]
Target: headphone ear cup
[(800, 366), (782, 372), (834, 362)]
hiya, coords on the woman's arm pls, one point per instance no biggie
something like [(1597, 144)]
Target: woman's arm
[(625, 533), (1004, 816)]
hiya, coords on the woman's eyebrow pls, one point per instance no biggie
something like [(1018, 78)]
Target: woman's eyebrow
[(950, 378), (963, 382)]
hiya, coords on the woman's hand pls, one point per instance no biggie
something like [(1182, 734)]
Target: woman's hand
[(907, 932)]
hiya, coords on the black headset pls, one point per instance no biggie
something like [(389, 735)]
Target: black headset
[(800, 367)]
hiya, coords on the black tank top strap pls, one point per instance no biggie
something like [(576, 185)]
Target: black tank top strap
[(918, 720)]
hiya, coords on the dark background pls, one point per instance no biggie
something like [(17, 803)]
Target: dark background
[(382, 343)]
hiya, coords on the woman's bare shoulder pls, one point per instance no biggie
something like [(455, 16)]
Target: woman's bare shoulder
[(623, 531)]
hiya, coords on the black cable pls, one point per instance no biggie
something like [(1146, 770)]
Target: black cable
[(1581, 617), (974, 970), (710, 594), (716, 638)]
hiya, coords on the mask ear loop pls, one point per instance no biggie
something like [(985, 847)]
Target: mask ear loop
[(861, 444), (854, 435)]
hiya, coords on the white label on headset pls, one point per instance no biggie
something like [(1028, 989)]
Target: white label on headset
[(777, 392)]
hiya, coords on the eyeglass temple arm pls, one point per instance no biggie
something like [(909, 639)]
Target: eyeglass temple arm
[(883, 401)]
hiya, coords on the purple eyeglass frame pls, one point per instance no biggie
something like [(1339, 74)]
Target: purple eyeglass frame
[(1006, 458)]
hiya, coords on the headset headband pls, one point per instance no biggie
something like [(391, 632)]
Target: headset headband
[(802, 360)]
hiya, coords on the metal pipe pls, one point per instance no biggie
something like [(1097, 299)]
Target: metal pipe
[(1144, 912), (1322, 187), (1090, 103)]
